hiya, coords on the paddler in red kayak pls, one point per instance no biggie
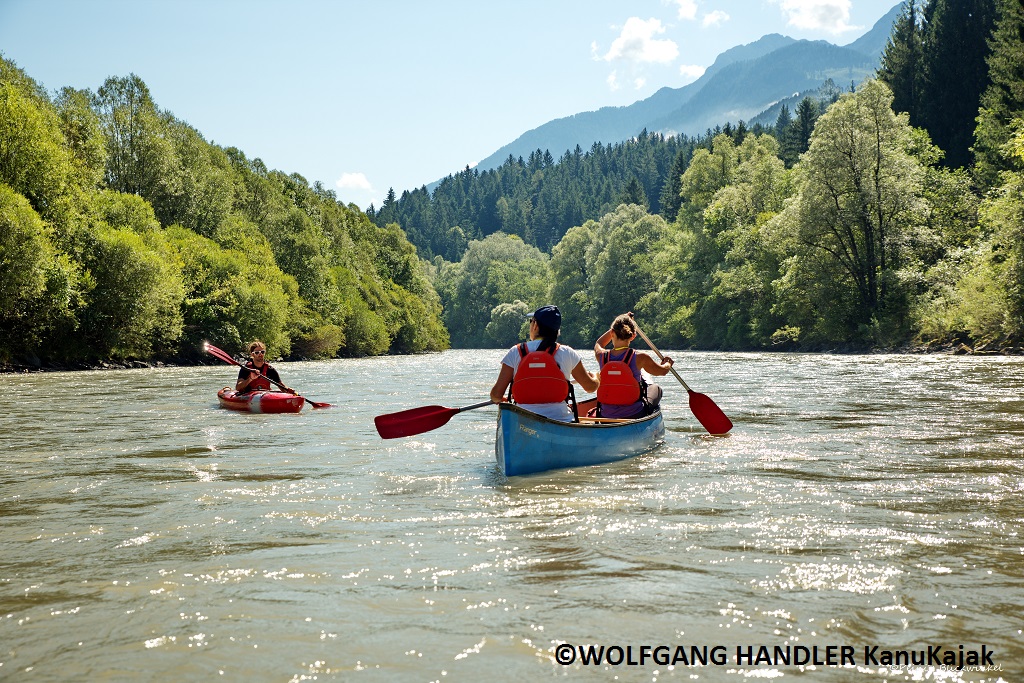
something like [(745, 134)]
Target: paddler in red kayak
[(256, 375)]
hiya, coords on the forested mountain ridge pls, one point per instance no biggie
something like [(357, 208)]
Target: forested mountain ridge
[(124, 234), (752, 77), (842, 225)]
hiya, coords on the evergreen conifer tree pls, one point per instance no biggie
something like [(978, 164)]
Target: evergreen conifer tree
[(634, 194), (902, 62), (670, 199), (955, 48), (1003, 100), (799, 134)]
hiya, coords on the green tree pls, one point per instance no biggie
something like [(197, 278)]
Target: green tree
[(39, 286), (140, 155), (670, 199), (708, 172), (83, 136), (739, 309), (1003, 100), (198, 189), (133, 304), (1002, 272), (620, 261), (955, 49), (498, 269), (902, 62), (570, 280), (33, 159), (860, 188), (508, 325), (634, 194), (799, 134)]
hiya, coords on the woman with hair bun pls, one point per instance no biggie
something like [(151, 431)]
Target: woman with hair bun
[(623, 392)]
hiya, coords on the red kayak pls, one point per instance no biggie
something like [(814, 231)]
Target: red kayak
[(260, 401)]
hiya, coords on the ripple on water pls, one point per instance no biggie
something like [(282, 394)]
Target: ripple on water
[(860, 499)]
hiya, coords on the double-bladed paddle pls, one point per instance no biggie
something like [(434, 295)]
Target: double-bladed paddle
[(703, 408), (418, 420), (226, 357)]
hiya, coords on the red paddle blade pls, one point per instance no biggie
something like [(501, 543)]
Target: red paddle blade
[(415, 421), (319, 405), (709, 414), (218, 353)]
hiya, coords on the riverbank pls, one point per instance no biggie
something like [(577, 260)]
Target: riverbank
[(23, 366)]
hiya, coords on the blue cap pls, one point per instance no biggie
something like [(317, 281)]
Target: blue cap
[(548, 316)]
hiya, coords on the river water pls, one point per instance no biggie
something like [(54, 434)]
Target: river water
[(860, 501)]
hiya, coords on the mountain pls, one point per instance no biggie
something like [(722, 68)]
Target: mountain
[(744, 81)]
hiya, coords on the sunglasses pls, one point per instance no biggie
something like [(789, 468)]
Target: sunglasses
[(258, 352)]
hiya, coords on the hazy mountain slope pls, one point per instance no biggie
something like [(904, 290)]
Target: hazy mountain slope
[(613, 124), (742, 90), (743, 82)]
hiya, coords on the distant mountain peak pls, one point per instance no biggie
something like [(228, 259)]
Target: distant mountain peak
[(742, 83)]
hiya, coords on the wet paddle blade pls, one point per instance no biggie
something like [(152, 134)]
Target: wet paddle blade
[(415, 421), (319, 405), (219, 354), (709, 414)]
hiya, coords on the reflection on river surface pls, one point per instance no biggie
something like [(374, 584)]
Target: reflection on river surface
[(860, 500)]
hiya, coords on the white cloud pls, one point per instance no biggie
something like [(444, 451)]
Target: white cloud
[(639, 83), (687, 9), (354, 181), (716, 18), (691, 72), (613, 81), (637, 44), (832, 16)]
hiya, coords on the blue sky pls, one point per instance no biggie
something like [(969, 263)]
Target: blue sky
[(363, 96)]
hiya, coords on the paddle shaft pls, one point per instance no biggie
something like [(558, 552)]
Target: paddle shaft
[(475, 406), (660, 357)]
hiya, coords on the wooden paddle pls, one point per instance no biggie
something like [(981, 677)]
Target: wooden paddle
[(226, 357), (702, 407), (418, 420)]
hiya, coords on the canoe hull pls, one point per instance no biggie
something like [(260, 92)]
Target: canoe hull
[(528, 443), (260, 401)]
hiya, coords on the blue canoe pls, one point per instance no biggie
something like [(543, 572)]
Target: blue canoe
[(528, 443)]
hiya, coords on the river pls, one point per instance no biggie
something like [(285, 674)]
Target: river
[(867, 501)]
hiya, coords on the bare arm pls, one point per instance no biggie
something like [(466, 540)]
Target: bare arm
[(602, 342), (653, 367), (243, 382), (501, 384), (587, 380)]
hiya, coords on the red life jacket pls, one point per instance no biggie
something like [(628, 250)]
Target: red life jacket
[(261, 383), (619, 386), (538, 378)]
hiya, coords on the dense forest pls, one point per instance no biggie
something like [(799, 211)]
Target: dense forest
[(125, 235), (888, 216), (885, 217)]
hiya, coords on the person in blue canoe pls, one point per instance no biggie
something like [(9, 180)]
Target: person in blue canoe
[(538, 372), (624, 393), (257, 374)]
